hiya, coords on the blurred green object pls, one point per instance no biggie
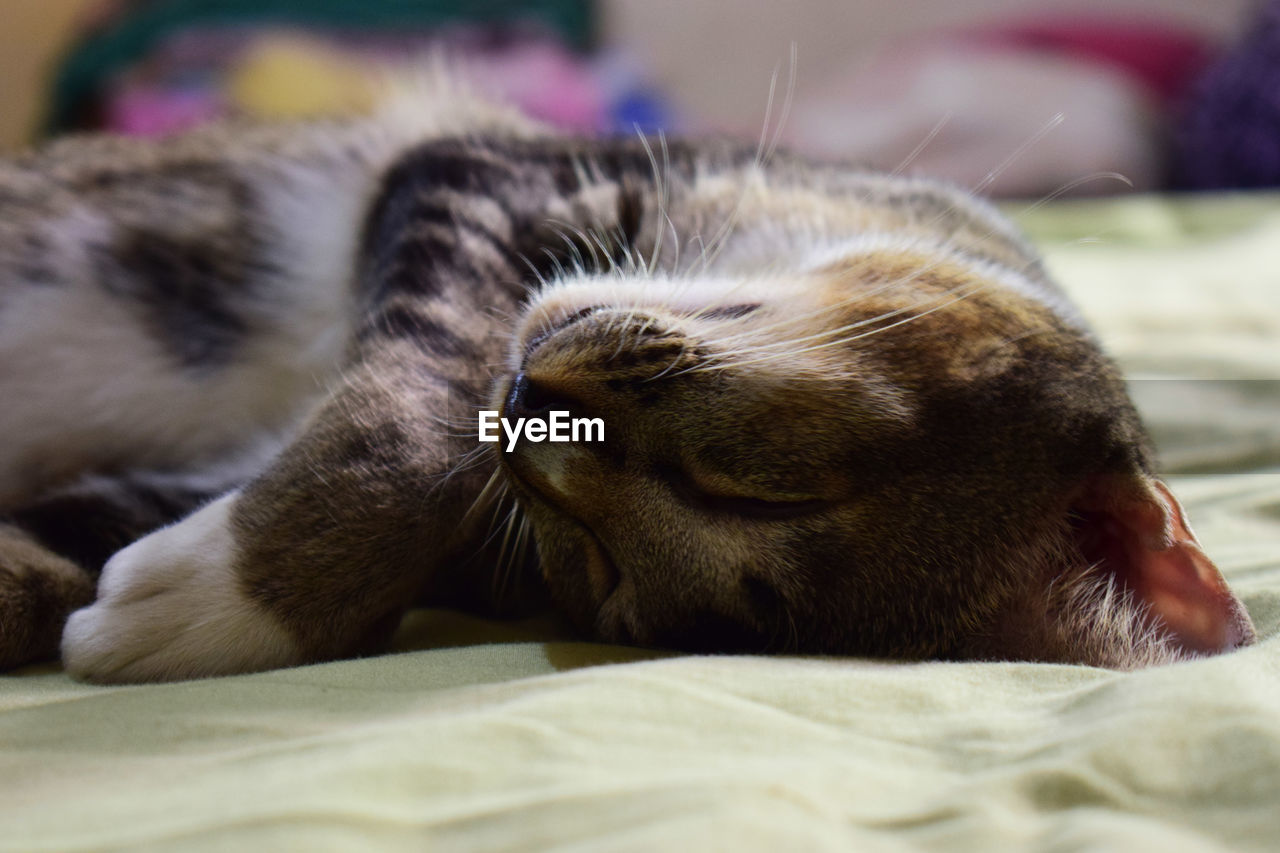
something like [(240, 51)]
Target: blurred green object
[(128, 37)]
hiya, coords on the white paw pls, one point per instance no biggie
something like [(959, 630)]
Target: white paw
[(170, 607)]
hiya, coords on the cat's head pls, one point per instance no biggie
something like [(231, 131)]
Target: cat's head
[(891, 453)]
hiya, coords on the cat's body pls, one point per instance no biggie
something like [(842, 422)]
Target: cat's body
[(843, 412)]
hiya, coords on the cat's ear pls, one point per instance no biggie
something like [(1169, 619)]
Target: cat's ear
[(1134, 528)]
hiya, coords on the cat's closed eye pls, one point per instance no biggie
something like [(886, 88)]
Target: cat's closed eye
[(723, 497)]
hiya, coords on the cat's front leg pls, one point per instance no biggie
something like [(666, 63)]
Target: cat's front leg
[(316, 559)]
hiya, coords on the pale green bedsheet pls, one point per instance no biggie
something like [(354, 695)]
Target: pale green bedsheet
[(529, 742)]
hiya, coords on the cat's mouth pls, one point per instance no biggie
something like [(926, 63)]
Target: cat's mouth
[(598, 565)]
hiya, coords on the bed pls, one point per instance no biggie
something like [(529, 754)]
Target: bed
[(502, 736)]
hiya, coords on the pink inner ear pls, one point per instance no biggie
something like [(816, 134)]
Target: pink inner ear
[(1135, 528)]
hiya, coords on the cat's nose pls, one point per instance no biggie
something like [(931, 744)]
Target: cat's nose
[(531, 399)]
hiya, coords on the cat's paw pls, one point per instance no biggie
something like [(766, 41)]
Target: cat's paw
[(37, 591), (170, 607)]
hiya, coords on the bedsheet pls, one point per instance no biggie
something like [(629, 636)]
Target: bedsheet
[(488, 736)]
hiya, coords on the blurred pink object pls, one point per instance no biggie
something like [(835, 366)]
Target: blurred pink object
[(543, 79), (1162, 56), (146, 111), (1019, 110)]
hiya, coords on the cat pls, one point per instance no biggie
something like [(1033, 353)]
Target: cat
[(842, 412)]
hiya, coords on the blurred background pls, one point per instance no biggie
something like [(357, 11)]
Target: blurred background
[(1016, 98)]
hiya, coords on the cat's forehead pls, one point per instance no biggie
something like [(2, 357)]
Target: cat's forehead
[(878, 262)]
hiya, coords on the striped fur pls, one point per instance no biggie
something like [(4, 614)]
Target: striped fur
[(846, 412)]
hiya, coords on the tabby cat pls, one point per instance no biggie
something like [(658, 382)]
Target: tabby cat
[(242, 371)]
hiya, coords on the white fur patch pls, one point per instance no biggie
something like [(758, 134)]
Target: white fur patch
[(170, 607)]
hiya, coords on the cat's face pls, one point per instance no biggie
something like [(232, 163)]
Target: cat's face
[(889, 454)]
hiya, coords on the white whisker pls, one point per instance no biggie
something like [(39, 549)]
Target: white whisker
[(924, 143), (1004, 164)]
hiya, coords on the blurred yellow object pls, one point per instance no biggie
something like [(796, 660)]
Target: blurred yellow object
[(290, 76)]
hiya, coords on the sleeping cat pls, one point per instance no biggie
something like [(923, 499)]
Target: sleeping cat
[(843, 412)]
